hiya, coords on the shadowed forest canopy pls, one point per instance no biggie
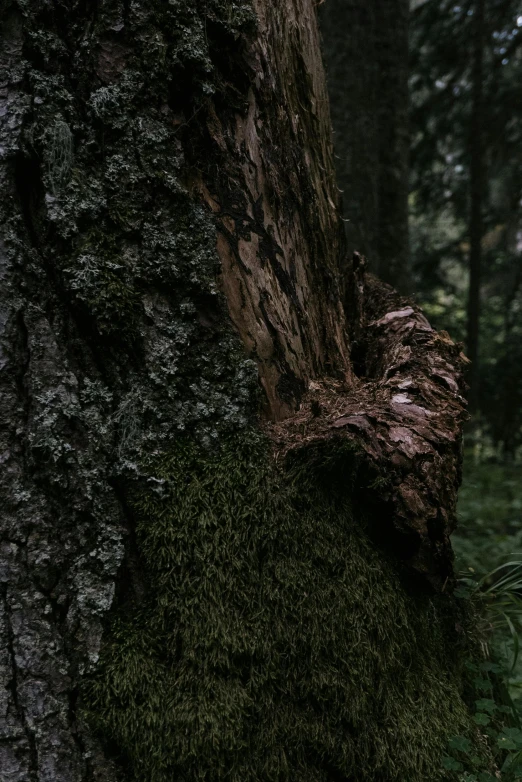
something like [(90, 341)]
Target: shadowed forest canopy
[(231, 453)]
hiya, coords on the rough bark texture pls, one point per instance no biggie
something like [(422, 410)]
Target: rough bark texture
[(115, 339), (405, 416), (155, 157), (366, 54), (277, 209)]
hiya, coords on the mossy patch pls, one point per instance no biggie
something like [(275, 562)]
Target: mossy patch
[(276, 641)]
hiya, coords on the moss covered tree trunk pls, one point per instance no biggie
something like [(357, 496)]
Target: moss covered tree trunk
[(230, 456)]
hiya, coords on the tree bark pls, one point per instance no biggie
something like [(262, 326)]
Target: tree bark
[(366, 55), (173, 272)]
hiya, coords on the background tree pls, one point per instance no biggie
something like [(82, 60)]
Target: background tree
[(465, 228), (476, 172), (225, 548), (366, 56), (466, 110)]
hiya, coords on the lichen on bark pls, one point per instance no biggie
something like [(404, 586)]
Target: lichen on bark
[(115, 336)]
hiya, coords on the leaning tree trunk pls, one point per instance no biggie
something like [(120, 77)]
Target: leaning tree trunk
[(230, 456), (366, 52)]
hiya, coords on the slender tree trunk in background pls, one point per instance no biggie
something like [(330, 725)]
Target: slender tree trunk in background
[(224, 540), (366, 53), (392, 112), (349, 46), (476, 206)]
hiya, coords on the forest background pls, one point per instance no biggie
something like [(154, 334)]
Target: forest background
[(438, 123)]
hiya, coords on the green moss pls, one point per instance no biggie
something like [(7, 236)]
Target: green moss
[(276, 643)]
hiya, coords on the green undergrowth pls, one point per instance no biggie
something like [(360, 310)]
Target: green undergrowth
[(488, 546), (499, 725), (490, 511), (276, 642)]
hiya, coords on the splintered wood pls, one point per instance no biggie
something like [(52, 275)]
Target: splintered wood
[(404, 416)]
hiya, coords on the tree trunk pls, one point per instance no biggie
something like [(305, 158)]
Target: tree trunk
[(366, 54), (230, 456), (349, 45), (392, 112), (476, 228)]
